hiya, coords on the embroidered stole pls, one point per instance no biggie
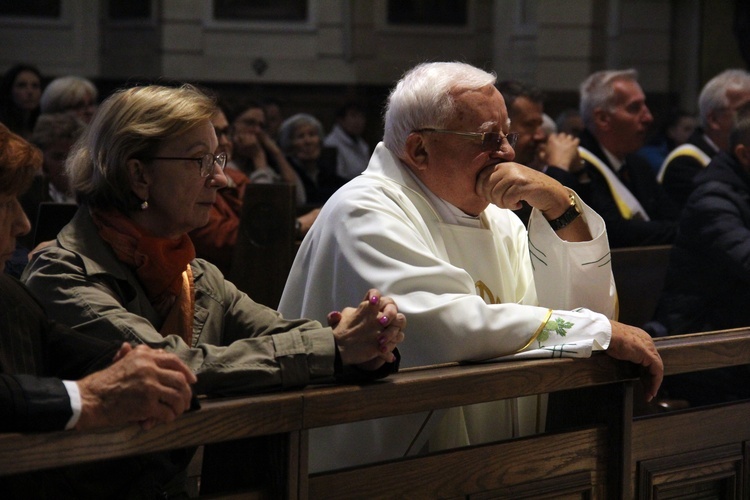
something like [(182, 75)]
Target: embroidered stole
[(626, 202)]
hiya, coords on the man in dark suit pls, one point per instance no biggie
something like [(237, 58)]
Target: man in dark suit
[(622, 186), (39, 361), (717, 103), (143, 385)]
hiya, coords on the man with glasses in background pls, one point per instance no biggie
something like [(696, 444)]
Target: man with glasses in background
[(430, 222)]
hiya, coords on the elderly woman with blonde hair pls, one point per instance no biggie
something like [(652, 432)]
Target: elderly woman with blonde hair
[(145, 173)]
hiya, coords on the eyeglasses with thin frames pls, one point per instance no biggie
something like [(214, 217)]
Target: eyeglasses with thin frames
[(205, 162), (491, 141)]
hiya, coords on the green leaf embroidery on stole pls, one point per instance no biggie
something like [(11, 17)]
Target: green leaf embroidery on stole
[(558, 326)]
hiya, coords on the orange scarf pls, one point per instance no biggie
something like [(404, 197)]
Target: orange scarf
[(162, 266)]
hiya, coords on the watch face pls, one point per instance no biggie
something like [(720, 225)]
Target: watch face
[(574, 204)]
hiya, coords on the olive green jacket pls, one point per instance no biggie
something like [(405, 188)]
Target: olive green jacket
[(238, 345)]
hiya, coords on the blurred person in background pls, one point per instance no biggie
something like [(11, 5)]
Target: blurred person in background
[(20, 91), (555, 154), (301, 139), (707, 286), (71, 94), (353, 152), (622, 187), (257, 154), (675, 131), (717, 103)]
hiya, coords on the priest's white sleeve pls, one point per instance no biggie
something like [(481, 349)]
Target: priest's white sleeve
[(569, 275)]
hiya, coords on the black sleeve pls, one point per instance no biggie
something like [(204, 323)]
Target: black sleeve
[(71, 355), (32, 349), (29, 403)]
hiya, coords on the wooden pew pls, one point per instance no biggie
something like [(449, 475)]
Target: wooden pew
[(699, 452), (682, 453), (217, 420), (639, 275)]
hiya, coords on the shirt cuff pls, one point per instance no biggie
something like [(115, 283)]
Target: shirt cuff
[(75, 403)]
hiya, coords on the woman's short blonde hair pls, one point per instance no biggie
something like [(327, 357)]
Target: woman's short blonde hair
[(20, 161), (130, 124)]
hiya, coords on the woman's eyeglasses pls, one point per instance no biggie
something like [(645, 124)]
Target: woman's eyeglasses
[(205, 162), (491, 141)]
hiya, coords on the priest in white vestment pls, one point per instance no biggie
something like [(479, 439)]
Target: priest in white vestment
[(430, 223)]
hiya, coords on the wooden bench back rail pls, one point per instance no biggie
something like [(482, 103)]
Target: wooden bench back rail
[(639, 275), (598, 461), (265, 245)]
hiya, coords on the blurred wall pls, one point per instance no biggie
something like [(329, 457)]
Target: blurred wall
[(348, 49)]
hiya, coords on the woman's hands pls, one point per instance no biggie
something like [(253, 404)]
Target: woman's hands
[(366, 336)]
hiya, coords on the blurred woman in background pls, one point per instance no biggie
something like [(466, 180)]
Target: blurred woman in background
[(20, 91), (301, 139)]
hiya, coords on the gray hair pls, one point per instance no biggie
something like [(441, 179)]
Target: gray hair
[(290, 126), (425, 97), (53, 127), (597, 91), (130, 124), (65, 93), (714, 93), (548, 124)]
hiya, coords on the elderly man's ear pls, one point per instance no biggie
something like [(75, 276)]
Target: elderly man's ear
[(415, 151), (742, 153), (601, 119)]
